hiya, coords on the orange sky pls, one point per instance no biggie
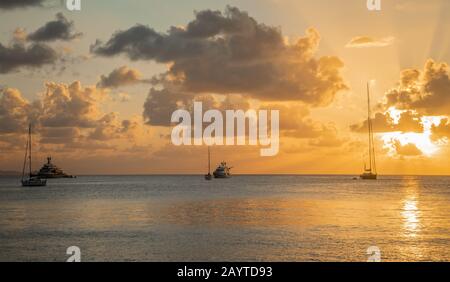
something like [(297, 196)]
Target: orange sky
[(100, 92)]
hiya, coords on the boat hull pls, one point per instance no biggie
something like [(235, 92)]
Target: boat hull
[(36, 182), (50, 176), (220, 175), (368, 176)]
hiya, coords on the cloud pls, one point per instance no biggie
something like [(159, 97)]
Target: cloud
[(442, 130), (366, 42), (76, 110), (160, 105), (296, 123), (67, 115), (59, 29), (70, 105), (14, 111), (425, 91), (18, 55), (294, 119), (231, 52), (408, 149), (59, 135), (416, 111), (120, 77), (111, 127), (383, 122), (328, 137), (13, 4)]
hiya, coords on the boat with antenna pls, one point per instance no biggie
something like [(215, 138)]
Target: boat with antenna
[(371, 171), (30, 180), (50, 170), (209, 176), (222, 171)]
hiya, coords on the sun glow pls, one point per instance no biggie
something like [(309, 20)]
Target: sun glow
[(422, 141), (395, 114)]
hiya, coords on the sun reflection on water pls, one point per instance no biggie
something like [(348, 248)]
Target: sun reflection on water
[(410, 210), (410, 215)]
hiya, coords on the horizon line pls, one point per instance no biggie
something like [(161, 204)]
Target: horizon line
[(237, 174)]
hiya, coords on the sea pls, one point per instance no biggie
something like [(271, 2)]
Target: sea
[(253, 218)]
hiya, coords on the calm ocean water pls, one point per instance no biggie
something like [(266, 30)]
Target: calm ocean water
[(245, 218)]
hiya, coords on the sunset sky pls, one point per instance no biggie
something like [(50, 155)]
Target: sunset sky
[(100, 84)]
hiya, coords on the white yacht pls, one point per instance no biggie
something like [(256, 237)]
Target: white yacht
[(50, 170), (222, 171)]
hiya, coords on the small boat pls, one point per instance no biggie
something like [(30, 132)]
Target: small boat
[(222, 171), (368, 176), (209, 176), (370, 173), (34, 181), (30, 181)]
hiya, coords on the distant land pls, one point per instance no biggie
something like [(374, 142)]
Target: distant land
[(9, 173)]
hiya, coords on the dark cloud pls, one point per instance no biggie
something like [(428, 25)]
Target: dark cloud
[(19, 55), (425, 91), (160, 105), (59, 135), (59, 29), (13, 4), (294, 119), (120, 77), (231, 52), (383, 122)]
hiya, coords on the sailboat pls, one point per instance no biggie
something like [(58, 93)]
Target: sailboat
[(371, 171), (29, 181), (209, 176)]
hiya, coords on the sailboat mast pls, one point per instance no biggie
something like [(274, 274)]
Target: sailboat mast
[(373, 166), (25, 159), (209, 161), (369, 126), (29, 143)]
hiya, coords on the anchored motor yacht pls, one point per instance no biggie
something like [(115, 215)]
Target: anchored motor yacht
[(222, 171), (49, 170)]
